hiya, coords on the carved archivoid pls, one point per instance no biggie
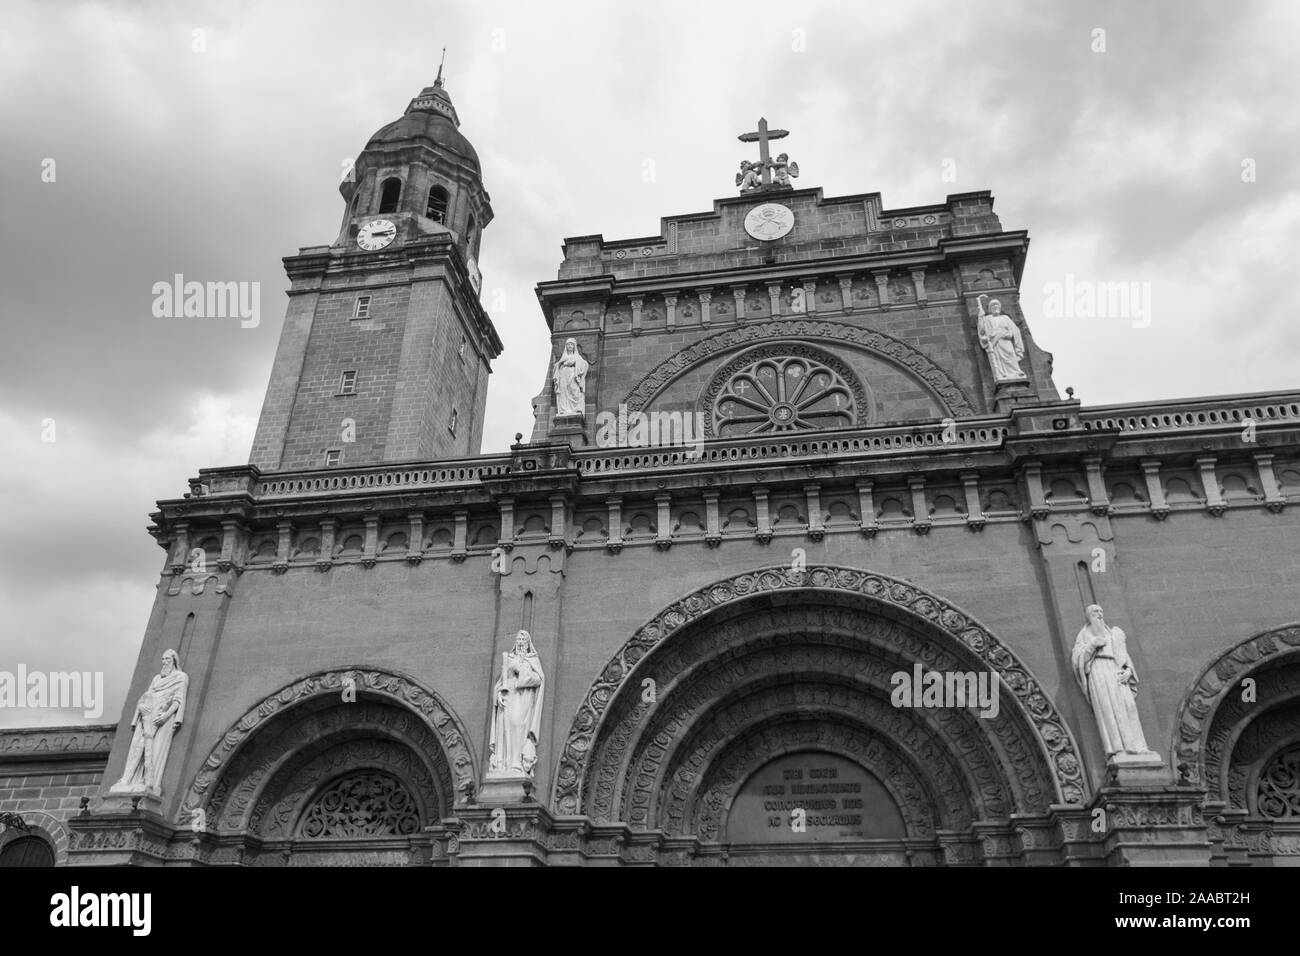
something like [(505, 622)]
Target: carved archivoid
[(1278, 795), (365, 804)]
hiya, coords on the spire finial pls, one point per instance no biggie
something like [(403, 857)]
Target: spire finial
[(438, 81)]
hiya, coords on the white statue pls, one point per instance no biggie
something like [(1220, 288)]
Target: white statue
[(158, 713), (1000, 338), (783, 170), (570, 374), (1105, 673), (748, 178), (516, 711)]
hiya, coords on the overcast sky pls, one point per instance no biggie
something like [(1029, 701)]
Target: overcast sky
[(1124, 165)]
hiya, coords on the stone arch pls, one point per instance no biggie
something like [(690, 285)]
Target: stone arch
[(1207, 725), (47, 827), (940, 384), (297, 718), (600, 749)]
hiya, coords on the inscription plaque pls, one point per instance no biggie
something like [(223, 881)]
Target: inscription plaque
[(840, 802)]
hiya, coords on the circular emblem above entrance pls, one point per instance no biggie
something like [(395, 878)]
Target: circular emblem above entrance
[(769, 221)]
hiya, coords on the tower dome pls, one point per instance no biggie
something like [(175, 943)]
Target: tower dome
[(423, 175), (430, 118)]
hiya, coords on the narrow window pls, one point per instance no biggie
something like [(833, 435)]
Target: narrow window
[(470, 238), (362, 308), (333, 457), (452, 424), (348, 383), (437, 208), (389, 195), (460, 352)]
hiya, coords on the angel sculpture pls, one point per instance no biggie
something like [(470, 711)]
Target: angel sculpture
[(783, 170)]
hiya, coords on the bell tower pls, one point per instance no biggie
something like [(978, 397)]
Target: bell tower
[(385, 352)]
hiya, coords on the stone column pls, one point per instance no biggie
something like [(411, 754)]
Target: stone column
[(882, 288), (867, 508), (774, 298), (637, 302), (763, 534), (1214, 502), (614, 543)]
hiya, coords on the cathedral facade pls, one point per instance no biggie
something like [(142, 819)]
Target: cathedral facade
[(805, 560)]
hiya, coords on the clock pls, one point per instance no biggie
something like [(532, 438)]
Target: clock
[(376, 234), (769, 221)]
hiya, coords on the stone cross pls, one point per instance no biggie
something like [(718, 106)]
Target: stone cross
[(763, 136)]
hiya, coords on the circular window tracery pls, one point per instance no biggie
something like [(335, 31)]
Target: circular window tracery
[(784, 388), (363, 804)]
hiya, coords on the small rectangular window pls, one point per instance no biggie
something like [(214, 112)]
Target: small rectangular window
[(348, 383), (333, 457), (361, 310), (461, 351), (452, 424)]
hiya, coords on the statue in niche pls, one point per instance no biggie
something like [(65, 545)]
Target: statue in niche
[(1000, 338), (158, 712), (1105, 674), (570, 374), (516, 711)]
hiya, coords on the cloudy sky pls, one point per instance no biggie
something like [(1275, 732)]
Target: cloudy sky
[(215, 154)]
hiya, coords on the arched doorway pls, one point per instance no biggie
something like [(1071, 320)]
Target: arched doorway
[(347, 767), (27, 851), (1238, 736), (789, 671)]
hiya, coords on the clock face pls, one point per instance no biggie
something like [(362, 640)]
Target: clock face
[(769, 221), (376, 234)]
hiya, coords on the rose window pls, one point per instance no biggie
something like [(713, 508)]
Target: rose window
[(366, 804), (784, 392)]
